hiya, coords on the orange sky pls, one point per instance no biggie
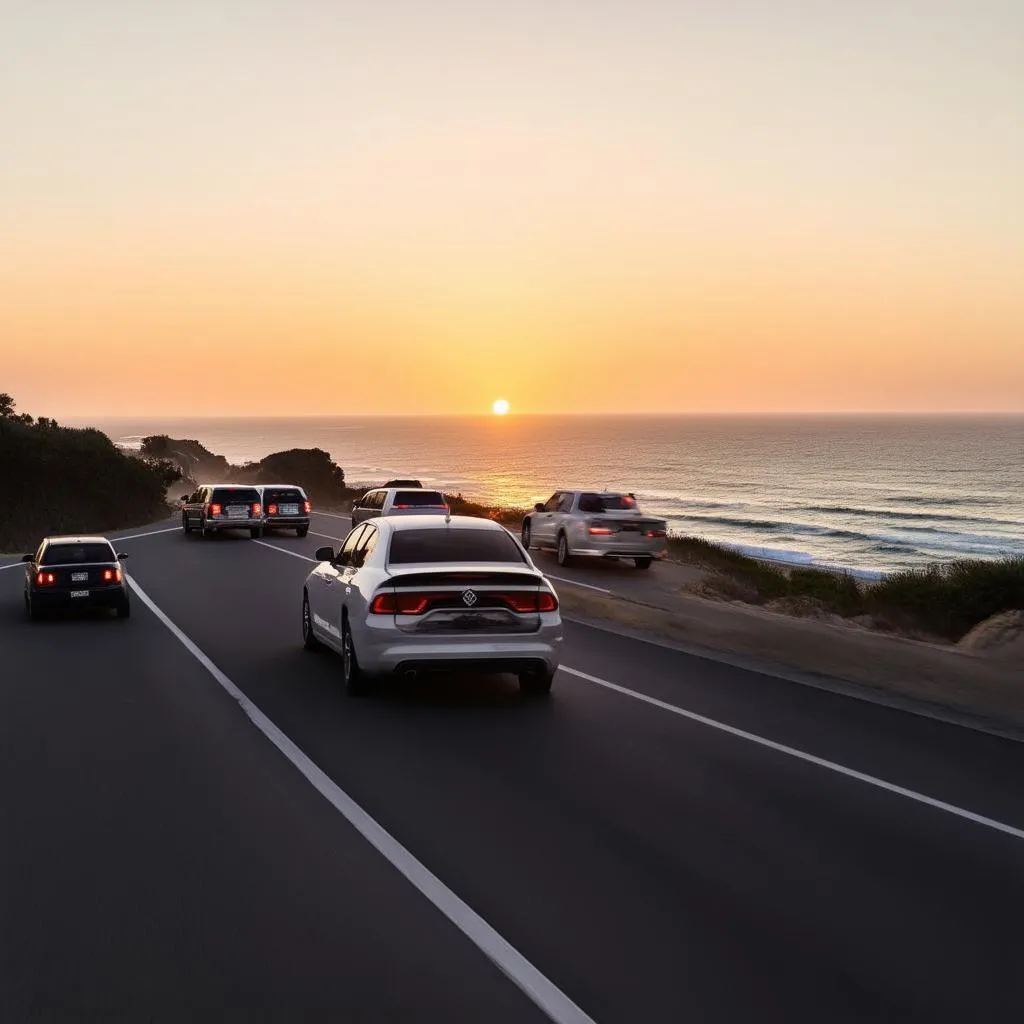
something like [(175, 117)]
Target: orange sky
[(325, 209)]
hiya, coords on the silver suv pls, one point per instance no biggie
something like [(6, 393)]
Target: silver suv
[(597, 524), (397, 501), (212, 508)]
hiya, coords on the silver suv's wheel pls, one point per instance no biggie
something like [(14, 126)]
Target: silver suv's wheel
[(526, 534), (564, 557)]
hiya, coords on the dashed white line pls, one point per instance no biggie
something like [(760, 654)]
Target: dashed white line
[(13, 565), (576, 583), (333, 515), (871, 780), (152, 533), (536, 986), (284, 551)]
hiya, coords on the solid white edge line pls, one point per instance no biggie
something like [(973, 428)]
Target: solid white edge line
[(537, 987), (576, 583), (13, 565), (332, 515), (326, 536), (871, 780), (152, 533)]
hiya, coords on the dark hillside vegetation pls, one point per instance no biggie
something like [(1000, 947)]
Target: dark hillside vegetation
[(56, 479)]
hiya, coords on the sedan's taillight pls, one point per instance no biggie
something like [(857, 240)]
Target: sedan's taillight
[(524, 601), (307, 507), (401, 604), (600, 531), (257, 508), (655, 533), (111, 575), (271, 510), (44, 579)]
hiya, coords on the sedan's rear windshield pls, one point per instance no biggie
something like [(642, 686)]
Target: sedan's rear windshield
[(279, 494), (77, 554), (417, 499), (443, 546), (235, 496), (607, 503)]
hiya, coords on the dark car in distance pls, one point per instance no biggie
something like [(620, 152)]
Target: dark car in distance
[(213, 508), (286, 507), (75, 572)]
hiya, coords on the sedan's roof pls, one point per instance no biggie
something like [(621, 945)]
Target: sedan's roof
[(75, 540), (436, 522)]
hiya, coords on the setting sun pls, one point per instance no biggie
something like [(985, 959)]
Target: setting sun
[(500, 407)]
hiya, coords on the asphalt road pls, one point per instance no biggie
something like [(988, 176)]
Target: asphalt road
[(703, 844)]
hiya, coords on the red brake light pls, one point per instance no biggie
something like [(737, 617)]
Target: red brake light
[(257, 508), (215, 510), (547, 602), (401, 506), (45, 578), (111, 575), (271, 510), (656, 533), (602, 531), (402, 604), (307, 507)]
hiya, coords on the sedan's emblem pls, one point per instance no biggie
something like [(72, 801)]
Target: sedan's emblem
[(469, 598)]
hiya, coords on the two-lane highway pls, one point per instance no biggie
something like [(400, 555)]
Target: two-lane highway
[(703, 844)]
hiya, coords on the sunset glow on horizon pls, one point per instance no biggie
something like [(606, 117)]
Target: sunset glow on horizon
[(327, 209)]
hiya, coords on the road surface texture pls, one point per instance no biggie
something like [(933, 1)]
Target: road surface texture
[(693, 842)]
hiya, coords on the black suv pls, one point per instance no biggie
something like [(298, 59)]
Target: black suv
[(286, 507), (215, 507), (75, 572)]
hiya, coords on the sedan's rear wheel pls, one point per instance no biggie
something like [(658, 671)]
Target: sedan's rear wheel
[(184, 524), (526, 534), (563, 554), (309, 640), (356, 681), (536, 684)]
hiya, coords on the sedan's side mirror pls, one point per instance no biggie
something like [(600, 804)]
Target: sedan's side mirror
[(121, 556), (324, 554), (185, 497), (538, 507), (28, 558)]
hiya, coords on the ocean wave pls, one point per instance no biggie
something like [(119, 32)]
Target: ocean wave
[(855, 510)]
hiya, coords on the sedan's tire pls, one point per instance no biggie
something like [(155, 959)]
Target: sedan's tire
[(536, 684), (642, 563), (301, 531), (563, 554), (526, 534), (34, 613), (186, 529), (309, 641), (255, 533), (124, 609), (357, 683), (204, 532)]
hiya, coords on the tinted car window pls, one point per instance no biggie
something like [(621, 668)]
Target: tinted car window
[(418, 498), (453, 546), (235, 495), (617, 502), (367, 543), (282, 494), (353, 538), (77, 554)]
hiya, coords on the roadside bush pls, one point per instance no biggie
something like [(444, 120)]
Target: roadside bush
[(949, 599), (462, 506), (837, 591)]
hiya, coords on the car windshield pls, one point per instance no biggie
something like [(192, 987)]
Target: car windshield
[(77, 554), (446, 545), (416, 499)]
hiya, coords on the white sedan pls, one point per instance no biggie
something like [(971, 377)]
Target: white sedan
[(411, 594)]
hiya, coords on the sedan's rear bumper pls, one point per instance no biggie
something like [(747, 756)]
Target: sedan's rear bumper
[(622, 551), (99, 597)]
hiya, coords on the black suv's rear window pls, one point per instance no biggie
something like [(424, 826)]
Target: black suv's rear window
[(77, 554), (416, 499), (463, 545), (235, 495), (279, 494)]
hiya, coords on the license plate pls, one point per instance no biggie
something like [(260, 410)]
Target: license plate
[(79, 593), (238, 512), (289, 510), (79, 577)]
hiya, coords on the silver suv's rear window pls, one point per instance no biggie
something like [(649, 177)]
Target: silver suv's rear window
[(416, 499), (444, 546), (235, 496), (77, 554)]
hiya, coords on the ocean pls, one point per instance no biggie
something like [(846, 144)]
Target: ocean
[(871, 494)]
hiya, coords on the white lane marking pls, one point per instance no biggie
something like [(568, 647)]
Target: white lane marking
[(332, 515), (13, 565), (284, 551), (576, 583), (152, 533), (871, 780), (326, 536), (537, 987)]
